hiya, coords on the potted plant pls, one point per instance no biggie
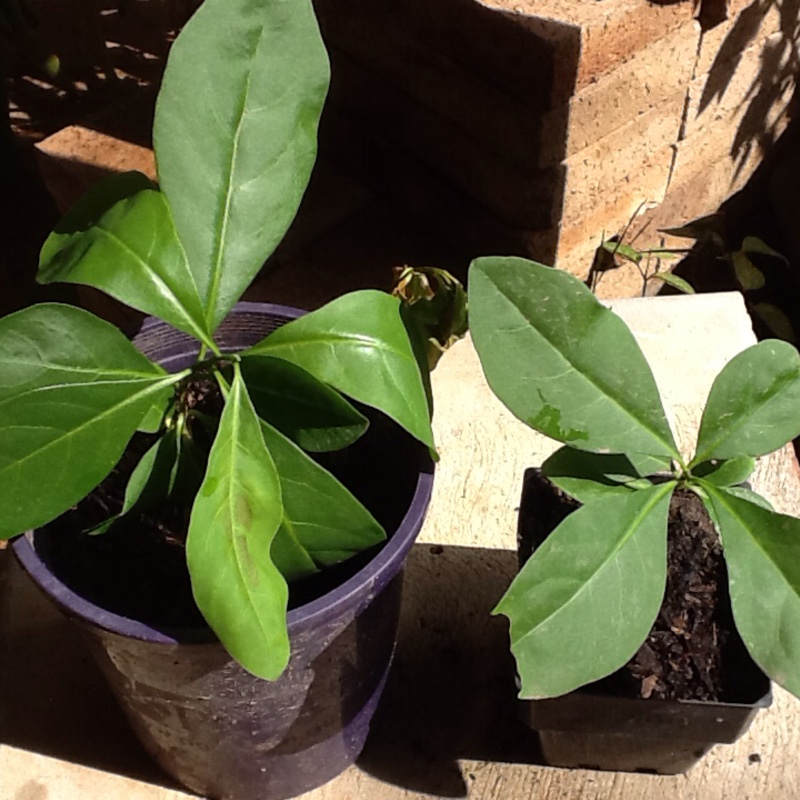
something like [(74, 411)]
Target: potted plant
[(589, 599), (224, 402)]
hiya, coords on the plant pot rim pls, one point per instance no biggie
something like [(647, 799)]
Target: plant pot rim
[(315, 612)]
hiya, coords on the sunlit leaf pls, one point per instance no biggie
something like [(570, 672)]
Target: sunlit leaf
[(359, 345), (562, 362), (321, 517), (73, 390), (235, 136), (762, 552), (586, 600), (753, 403), (238, 510)]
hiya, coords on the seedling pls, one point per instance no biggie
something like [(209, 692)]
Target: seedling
[(235, 142), (571, 369)]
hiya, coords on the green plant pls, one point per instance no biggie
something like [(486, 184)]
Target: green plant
[(235, 142), (754, 265), (571, 369)]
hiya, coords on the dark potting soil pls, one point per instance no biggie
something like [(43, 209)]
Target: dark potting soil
[(138, 567), (693, 651)]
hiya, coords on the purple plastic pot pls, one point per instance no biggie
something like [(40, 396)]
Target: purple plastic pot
[(216, 728)]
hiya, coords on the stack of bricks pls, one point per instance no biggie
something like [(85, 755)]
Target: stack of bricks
[(535, 127)]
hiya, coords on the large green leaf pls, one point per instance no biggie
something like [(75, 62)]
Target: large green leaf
[(91, 205), (562, 362), (131, 252), (589, 476), (320, 516), (725, 473), (235, 136), (762, 551), (236, 585), (753, 404), (586, 600), (72, 391), (308, 411), (359, 345)]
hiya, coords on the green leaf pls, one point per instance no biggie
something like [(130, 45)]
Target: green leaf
[(320, 516), (235, 136), (752, 244), (762, 551), (749, 276), (359, 345), (562, 362), (149, 480), (131, 252), (91, 205), (623, 250), (587, 598), (588, 476), (235, 517), (725, 473), (775, 319), (676, 282), (73, 390), (743, 493), (308, 411), (752, 407)]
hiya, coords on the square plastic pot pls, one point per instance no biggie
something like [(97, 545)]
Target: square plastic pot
[(592, 728)]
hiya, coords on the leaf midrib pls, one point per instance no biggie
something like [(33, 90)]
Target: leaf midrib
[(589, 379), (635, 523)]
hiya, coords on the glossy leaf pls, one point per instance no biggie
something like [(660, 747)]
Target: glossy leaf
[(681, 284), (308, 411), (71, 385), (235, 136), (752, 408), (131, 252), (762, 552), (359, 345), (586, 600), (235, 517), (90, 206), (321, 517), (726, 473), (588, 476), (562, 362)]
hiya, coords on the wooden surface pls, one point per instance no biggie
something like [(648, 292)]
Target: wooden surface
[(446, 726)]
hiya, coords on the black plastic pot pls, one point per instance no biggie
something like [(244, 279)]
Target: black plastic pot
[(216, 728), (593, 728)]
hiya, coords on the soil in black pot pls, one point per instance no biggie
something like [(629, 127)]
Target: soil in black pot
[(138, 568), (693, 651)]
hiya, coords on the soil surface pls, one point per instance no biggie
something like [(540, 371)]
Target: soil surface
[(138, 567), (693, 651)]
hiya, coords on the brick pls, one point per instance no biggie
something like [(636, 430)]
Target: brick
[(527, 58), (746, 88), (736, 137), (74, 158), (651, 77), (633, 161), (749, 22), (611, 32), (521, 199)]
